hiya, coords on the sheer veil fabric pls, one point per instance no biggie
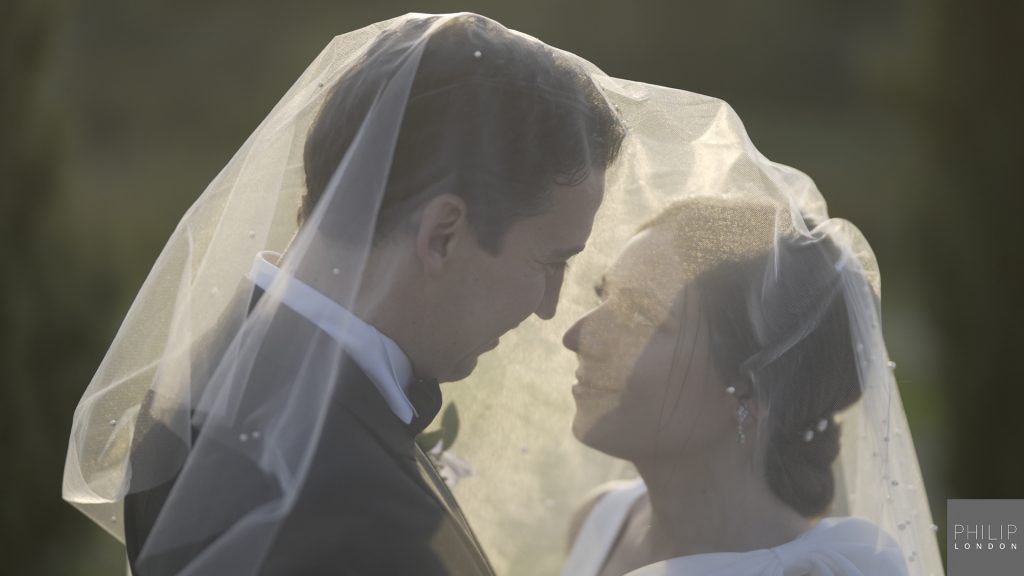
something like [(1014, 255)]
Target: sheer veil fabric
[(205, 367)]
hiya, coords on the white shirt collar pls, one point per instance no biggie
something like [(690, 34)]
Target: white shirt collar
[(377, 355)]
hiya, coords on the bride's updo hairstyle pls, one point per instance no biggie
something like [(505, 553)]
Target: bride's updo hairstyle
[(493, 116), (779, 331)]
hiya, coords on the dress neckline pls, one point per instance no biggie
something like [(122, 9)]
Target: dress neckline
[(833, 546)]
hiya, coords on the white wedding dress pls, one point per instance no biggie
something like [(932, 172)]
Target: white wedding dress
[(834, 547)]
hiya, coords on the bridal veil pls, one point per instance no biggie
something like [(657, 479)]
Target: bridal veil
[(184, 369)]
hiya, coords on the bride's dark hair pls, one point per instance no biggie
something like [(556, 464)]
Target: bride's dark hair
[(495, 115), (779, 327)]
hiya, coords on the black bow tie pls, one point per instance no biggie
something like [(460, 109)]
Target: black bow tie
[(425, 396)]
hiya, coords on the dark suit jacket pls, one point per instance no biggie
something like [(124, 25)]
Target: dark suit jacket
[(371, 503)]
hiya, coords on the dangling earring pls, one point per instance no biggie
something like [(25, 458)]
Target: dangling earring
[(742, 413), (741, 418)]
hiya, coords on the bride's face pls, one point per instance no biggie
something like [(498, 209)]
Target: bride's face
[(646, 386)]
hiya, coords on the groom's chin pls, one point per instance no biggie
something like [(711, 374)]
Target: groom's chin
[(460, 371)]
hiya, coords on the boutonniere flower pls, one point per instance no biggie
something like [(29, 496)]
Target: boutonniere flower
[(437, 445)]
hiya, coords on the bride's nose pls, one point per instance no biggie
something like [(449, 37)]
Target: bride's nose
[(571, 339)]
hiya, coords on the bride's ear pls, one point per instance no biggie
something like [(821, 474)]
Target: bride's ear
[(741, 388), (442, 221), (743, 391)]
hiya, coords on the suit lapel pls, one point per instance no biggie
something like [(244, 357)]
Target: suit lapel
[(430, 477), (358, 396), (356, 393)]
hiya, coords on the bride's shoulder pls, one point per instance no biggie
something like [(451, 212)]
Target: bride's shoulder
[(861, 542), (853, 528), (591, 499)]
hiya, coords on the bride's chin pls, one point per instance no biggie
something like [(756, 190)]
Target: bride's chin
[(583, 433), (595, 439), (587, 428)]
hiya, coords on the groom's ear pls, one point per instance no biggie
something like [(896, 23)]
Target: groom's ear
[(442, 222)]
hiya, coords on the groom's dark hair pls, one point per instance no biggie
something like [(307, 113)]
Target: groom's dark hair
[(495, 117)]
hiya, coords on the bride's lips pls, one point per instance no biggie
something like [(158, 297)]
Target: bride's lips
[(582, 385), (584, 391)]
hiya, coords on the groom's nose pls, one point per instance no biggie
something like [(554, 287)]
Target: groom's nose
[(549, 301)]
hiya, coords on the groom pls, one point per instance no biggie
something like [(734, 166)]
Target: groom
[(496, 177)]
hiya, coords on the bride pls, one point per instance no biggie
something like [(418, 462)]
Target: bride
[(722, 352)]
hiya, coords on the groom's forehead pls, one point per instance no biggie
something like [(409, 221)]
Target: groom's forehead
[(562, 231), (574, 205)]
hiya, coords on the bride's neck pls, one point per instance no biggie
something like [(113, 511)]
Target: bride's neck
[(713, 502)]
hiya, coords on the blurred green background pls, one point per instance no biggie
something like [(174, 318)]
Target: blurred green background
[(116, 114)]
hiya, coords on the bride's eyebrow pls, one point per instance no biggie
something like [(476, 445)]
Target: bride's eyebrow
[(626, 288)]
